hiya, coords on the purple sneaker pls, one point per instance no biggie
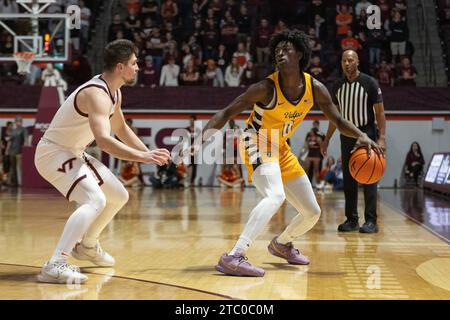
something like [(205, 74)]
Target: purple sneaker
[(237, 265), (288, 252)]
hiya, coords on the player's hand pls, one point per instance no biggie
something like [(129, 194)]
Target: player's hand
[(324, 147), (188, 152), (364, 140), (157, 156), (382, 143)]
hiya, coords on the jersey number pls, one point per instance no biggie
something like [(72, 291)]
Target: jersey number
[(287, 128)]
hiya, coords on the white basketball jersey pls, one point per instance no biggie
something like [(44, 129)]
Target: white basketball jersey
[(70, 126)]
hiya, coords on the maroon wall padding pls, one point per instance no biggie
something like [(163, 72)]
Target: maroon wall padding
[(24, 97), (208, 98), (48, 105)]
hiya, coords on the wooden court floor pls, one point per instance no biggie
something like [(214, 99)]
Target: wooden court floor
[(166, 244)]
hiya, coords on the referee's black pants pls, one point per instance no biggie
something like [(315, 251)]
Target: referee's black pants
[(351, 185)]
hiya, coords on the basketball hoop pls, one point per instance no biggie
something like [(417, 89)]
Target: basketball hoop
[(24, 60)]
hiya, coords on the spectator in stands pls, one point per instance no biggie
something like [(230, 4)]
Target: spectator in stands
[(210, 35), (223, 57), (360, 23), (155, 47), (319, 26), (169, 11), (197, 52), (4, 143), (350, 42), (132, 23), (317, 7), (344, 20), (9, 6), (280, 27), (169, 43), (407, 73), (19, 139), (233, 73), (116, 26), (149, 75), (375, 42), (133, 5), (318, 70), (399, 36), (146, 29), (385, 9), (262, 38), (314, 41), (244, 23), (348, 6), (229, 32), (414, 162), (232, 7), (190, 75), (169, 74), (213, 76), (186, 55), (242, 55), (362, 5), (248, 74), (171, 50), (401, 6), (150, 10), (385, 75), (216, 7)]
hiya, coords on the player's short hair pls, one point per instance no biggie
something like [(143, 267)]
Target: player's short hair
[(300, 41), (118, 51)]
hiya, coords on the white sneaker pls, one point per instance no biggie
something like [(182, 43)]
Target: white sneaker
[(61, 272), (96, 255)]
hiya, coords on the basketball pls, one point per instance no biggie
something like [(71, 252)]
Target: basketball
[(365, 169)]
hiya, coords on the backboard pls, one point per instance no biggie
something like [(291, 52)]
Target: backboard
[(45, 33)]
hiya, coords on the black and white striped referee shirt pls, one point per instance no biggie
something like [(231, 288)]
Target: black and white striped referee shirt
[(356, 99)]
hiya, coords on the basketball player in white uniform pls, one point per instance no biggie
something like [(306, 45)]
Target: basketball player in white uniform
[(91, 113)]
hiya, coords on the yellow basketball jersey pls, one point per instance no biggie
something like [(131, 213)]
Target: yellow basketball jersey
[(281, 116)]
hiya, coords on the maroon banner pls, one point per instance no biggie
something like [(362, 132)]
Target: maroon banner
[(48, 106)]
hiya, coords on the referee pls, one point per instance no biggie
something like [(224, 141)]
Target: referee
[(359, 100)]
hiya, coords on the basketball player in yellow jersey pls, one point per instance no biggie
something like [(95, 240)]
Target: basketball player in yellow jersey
[(279, 104)]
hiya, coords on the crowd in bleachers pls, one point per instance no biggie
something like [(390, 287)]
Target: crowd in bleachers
[(226, 42)]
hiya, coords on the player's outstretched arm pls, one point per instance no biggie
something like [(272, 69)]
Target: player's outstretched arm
[(123, 131), (95, 102), (258, 92), (347, 128)]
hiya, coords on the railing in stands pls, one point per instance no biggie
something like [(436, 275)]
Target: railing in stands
[(103, 22), (430, 69)]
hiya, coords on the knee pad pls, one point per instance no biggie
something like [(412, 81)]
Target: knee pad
[(277, 199), (98, 202)]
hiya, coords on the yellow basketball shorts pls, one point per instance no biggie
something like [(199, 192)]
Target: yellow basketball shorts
[(253, 157)]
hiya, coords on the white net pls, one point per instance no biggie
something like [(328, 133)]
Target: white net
[(24, 60)]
